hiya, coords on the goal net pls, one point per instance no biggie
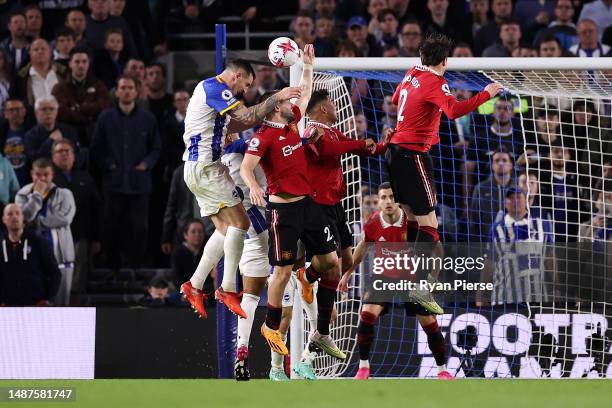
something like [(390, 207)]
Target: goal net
[(548, 135)]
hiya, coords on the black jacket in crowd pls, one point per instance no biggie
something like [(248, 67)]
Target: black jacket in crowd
[(120, 143), (28, 271), (180, 208), (86, 224), (38, 143)]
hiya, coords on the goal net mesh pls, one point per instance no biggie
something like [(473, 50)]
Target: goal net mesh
[(548, 135)]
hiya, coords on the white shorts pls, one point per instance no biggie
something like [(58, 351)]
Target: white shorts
[(254, 260), (212, 186)]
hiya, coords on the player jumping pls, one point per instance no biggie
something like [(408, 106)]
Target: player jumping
[(421, 97), (213, 111), (390, 224), (292, 214)]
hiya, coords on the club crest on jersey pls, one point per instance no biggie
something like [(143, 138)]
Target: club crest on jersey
[(226, 94), (286, 297)]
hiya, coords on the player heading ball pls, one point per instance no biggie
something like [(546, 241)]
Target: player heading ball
[(421, 98)]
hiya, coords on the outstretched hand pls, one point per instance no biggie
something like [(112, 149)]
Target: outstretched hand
[(494, 88), (289, 92), (308, 55)]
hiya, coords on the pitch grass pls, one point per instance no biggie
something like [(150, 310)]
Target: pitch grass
[(333, 393)]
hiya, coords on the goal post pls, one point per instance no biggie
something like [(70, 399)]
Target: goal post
[(558, 124)]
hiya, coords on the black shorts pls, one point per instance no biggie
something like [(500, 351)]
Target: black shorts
[(339, 227), (411, 177), (303, 220)]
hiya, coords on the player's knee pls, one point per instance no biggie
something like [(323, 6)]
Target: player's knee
[(368, 317), (429, 220), (329, 266), (282, 274)]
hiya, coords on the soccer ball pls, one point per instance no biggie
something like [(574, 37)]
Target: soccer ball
[(283, 52)]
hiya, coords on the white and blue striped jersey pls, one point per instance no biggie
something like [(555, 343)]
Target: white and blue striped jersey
[(519, 251), (206, 120), (232, 159)]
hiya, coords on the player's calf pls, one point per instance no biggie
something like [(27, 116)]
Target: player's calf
[(435, 340)]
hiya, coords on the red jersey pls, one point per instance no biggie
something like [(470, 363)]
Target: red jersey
[(421, 98), (382, 233), (282, 156), (324, 165)]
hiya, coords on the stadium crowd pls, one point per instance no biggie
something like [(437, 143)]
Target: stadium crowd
[(91, 142)]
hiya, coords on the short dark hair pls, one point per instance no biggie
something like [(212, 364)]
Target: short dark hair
[(112, 30), (129, 77), (384, 12), (548, 38), (63, 31), (161, 66), (316, 98), (17, 13), (350, 46), (435, 49), (63, 141), (42, 163), (190, 222), (462, 44), (584, 105), (243, 65), (78, 50), (13, 99), (304, 13), (384, 186), (501, 149), (510, 21), (158, 283)]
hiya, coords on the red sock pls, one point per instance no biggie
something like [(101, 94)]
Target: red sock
[(273, 317), (435, 340)]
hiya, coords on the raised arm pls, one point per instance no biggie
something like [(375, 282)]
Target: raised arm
[(308, 57), (244, 118), (455, 109)]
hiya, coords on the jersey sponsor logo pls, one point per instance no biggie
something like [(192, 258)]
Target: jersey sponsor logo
[(254, 144), (382, 239), (288, 150), (226, 94)]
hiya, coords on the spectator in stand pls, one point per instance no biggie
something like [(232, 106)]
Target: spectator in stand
[(598, 11), (186, 256), (510, 38), (29, 275), (100, 21), (55, 12), (116, 7), (86, 225), (49, 210), (303, 27), (388, 24), (477, 18), (348, 49), (462, 50), (109, 62), (375, 7), (17, 45), (180, 208), (64, 43), (412, 34), (6, 78), (327, 9), (357, 32), (488, 197), (266, 80), (135, 68), (12, 138), (489, 33), (529, 184), (599, 227), (37, 79), (126, 146), (77, 22), (325, 42), (34, 22), (9, 185), (158, 100), (40, 138), (549, 47), (402, 9), (159, 295), (559, 194), (502, 131), (391, 51), (588, 41), (529, 11), (172, 131), (563, 27), (440, 22), (607, 36), (524, 52), (81, 97), (547, 135)]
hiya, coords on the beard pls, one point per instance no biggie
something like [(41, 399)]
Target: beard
[(289, 116)]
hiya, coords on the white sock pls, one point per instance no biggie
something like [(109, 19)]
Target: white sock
[(213, 251), (441, 368), (364, 363), (277, 359), (232, 246), (248, 304), (307, 356)]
